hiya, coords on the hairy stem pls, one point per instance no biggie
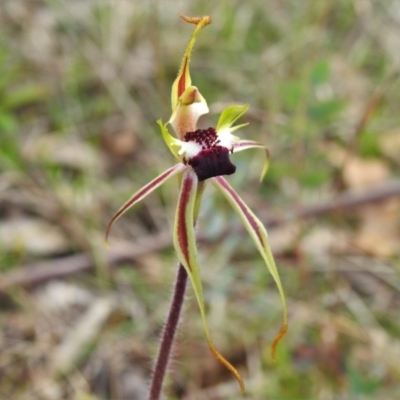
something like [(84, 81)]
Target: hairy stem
[(168, 335), (175, 308)]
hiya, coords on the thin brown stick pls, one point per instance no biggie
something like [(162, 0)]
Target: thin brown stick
[(31, 275)]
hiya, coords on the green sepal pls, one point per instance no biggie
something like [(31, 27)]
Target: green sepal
[(259, 235), (186, 250), (170, 141)]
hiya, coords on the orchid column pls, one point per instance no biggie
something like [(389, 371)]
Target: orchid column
[(202, 155)]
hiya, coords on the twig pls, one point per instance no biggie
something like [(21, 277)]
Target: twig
[(31, 275), (34, 274)]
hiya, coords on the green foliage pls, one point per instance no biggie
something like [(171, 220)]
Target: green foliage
[(320, 73), (325, 111), (362, 385), (368, 143)]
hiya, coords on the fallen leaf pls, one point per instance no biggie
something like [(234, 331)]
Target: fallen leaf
[(321, 242), (32, 235), (64, 151), (379, 233), (59, 295), (118, 138), (121, 143), (81, 335), (283, 238), (359, 173), (390, 144)]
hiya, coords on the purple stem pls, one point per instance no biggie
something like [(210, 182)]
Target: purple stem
[(168, 335)]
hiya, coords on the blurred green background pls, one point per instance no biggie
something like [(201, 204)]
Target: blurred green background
[(81, 86)]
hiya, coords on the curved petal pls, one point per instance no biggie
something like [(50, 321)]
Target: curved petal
[(249, 144), (185, 246), (144, 191), (259, 235), (230, 115)]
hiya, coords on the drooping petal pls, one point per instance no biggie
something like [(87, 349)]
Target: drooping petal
[(259, 235), (185, 246), (249, 144), (144, 191), (230, 115), (183, 80)]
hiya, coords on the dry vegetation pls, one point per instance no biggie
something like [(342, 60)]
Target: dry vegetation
[(81, 85)]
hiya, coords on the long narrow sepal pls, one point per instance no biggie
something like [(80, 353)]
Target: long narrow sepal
[(259, 235), (185, 246), (144, 191), (187, 102), (250, 144), (183, 80)]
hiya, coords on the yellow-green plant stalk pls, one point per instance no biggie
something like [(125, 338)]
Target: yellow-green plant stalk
[(202, 156)]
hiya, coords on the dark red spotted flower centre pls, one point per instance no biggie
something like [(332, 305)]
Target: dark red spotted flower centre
[(213, 159)]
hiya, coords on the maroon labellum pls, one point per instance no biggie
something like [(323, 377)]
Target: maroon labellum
[(212, 160)]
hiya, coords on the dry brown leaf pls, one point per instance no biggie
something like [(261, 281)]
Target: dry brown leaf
[(153, 267), (81, 335), (390, 144), (321, 242), (64, 151), (57, 296), (379, 233), (336, 154), (121, 143), (32, 235), (283, 238), (359, 173)]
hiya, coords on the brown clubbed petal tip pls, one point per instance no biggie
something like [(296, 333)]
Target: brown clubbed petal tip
[(227, 365), (277, 339), (205, 20)]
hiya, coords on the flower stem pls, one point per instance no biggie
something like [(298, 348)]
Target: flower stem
[(175, 308), (168, 335)]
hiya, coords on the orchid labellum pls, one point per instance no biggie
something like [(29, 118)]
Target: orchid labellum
[(203, 155)]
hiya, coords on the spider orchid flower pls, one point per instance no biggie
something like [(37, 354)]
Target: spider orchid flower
[(203, 155)]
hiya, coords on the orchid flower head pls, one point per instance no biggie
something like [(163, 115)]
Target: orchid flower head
[(203, 155)]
